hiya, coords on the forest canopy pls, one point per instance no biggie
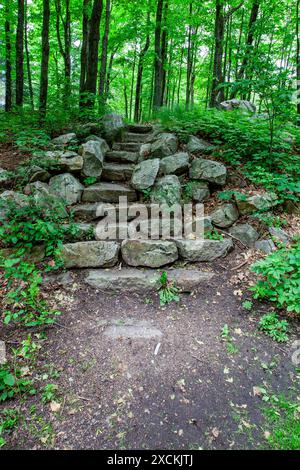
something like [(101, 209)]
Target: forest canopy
[(139, 55)]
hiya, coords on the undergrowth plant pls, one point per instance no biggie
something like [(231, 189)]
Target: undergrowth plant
[(280, 277), (273, 327), (168, 292)]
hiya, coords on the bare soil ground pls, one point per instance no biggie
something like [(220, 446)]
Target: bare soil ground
[(196, 392)]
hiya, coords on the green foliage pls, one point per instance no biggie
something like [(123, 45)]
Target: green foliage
[(89, 180), (12, 383), (168, 292), (273, 327), (49, 393), (9, 419), (247, 305), (269, 219), (188, 191), (283, 423), (32, 139), (213, 235), (280, 281)]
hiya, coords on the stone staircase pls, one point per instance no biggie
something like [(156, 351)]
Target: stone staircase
[(135, 256)]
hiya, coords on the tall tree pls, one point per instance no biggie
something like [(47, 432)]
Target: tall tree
[(65, 45), (140, 72), (20, 54), (84, 48), (45, 59), (298, 56), (90, 84), (158, 64), (28, 65), (103, 61), (8, 81)]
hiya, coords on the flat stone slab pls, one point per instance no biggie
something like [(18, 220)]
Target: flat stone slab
[(121, 156), (145, 280), (133, 329), (203, 250), (2, 352), (90, 254), (117, 171), (149, 253), (107, 192)]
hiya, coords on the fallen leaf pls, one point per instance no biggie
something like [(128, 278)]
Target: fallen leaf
[(55, 407), (215, 432)]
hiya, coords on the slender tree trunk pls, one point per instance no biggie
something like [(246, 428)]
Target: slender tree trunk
[(8, 82), (164, 53), (20, 54), (103, 62), (109, 70), (157, 92), (65, 49), (189, 64), (90, 85), (132, 83), (45, 59), (84, 49), (217, 95), (28, 61), (140, 70), (249, 40), (179, 76)]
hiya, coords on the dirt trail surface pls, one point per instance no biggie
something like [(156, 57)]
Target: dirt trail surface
[(133, 375)]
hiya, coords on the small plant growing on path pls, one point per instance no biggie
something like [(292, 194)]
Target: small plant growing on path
[(168, 292), (273, 327)]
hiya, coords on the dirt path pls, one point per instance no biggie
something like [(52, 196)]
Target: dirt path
[(115, 392)]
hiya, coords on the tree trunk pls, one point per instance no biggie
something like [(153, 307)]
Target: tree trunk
[(45, 59), (65, 49), (132, 83), (164, 52), (28, 61), (84, 48), (90, 85), (249, 40), (8, 82), (20, 54), (103, 65), (140, 70), (217, 95), (158, 75), (189, 64)]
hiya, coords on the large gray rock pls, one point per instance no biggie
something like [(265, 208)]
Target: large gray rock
[(258, 202), (266, 246), (137, 280), (145, 151), (103, 144), (165, 144), (225, 216), (144, 174), (149, 253), (175, 164), (93, 254), (203, 250), (244, 105), (245, 233), (44, 198), (67, 187), (113, 127), (167, 190), (200, 191), (208, 170), (108, 192), (195, 145), (117, 171), (86, 212), (279, 234), (64, 140), (93, 158), (20, 200), (37, 173), (64, 160)]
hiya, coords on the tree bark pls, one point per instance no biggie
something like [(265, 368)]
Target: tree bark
[(28, 61), (64, 49), (158, 69), (20, 54), (103, 66), (45, 59), (90, 85), (217, 95), (8, 82), (84, 48), (140, 70)]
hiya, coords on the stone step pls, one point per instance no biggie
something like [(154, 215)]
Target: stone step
[(108, 192), (117, 171), (120, 156), (204, 250), (133, 137), (140, 128), (89, 212), (147, 280), (126, 146), (91, 254), (149, 253)]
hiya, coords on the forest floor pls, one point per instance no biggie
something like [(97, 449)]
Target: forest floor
[(195, 390)]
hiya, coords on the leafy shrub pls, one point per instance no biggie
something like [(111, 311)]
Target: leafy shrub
[(281, 277), (168, 292), (12, 383), (272, 326)]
